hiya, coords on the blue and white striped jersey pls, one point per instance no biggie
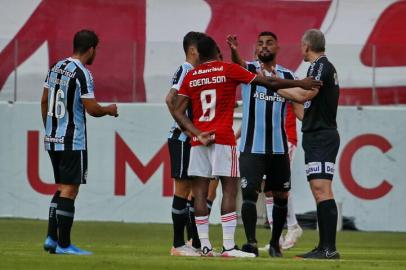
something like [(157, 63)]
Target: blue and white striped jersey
[(264, 114), (68, 81), (177, 80)]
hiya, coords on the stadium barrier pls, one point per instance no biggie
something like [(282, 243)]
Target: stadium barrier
[(129, 173)]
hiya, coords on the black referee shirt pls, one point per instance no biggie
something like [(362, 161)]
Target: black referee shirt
[(320, 112)]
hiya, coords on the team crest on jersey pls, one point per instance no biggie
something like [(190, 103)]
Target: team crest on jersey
[(244, 182), (307, 104)]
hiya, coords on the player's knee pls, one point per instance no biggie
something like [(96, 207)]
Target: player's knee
[(321, 192), (182, 188), (69, 191)]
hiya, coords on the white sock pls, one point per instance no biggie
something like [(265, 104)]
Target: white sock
[(202, 224), (269, 209), (291, 217), (229, 223)]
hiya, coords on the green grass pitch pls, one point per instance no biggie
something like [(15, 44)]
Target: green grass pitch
[(146, 246)]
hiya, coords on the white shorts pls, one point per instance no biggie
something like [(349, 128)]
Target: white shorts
[(214, 160)]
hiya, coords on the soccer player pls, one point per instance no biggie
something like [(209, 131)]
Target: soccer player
[(179, 150), (321, 142), (210, 89), (68, 93), (264, 147)]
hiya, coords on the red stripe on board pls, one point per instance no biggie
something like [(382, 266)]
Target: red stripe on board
[(364, 96)]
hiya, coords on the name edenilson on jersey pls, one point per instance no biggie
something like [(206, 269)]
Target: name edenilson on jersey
[(262, 96), (63, 72), (205, 81)]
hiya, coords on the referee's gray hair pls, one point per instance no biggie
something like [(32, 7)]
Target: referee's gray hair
[(315, 39)]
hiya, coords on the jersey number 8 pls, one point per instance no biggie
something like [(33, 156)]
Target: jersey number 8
[(208, 100), (58, 103)]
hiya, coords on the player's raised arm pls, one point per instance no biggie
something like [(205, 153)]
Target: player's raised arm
[(96, 110), (276, 83), (235, 56)]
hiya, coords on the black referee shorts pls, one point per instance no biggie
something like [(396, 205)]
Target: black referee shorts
[(70, 166), (275, 168), (320, 148), (179, 153)]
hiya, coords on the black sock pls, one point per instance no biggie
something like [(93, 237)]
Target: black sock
[(249, 218), (189, 233), (279, 213), (321, 228), (327, 213), (209, 205), (192, 225), (65, 213), (52, 223), (179, 219)]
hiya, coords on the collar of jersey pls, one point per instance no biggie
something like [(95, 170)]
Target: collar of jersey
[(210, 61), (77, 61), (318, 58)]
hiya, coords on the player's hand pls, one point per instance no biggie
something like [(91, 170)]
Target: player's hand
[(206, 137), (232, 42), (309, 83), (112, 110)]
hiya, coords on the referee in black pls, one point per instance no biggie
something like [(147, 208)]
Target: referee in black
[(321, 142)]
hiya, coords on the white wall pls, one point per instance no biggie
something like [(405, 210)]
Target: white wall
[(144, 129)]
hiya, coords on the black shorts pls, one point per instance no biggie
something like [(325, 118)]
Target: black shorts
[(70, 166), (275, 168), (320, 148), (179, 153)]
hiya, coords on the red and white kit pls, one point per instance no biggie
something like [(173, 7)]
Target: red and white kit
[(211, 88)]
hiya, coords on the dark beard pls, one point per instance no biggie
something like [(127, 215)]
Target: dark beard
[(266, 58)]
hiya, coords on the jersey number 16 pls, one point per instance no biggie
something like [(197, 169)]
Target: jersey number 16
[(58, 102)]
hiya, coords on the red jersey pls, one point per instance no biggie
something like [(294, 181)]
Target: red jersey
[(290, 125), (211, 88)]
